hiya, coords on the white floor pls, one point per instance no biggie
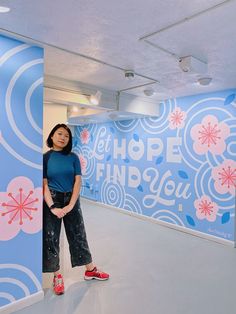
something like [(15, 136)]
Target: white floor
[(154, 270)]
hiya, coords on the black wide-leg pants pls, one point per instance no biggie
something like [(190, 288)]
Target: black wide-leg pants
[(75, 233)]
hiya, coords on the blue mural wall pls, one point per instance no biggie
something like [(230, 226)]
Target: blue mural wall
[(21, 112), (179, 167)]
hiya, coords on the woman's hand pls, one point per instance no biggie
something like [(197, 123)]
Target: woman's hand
[(59, 212), (67, 209)]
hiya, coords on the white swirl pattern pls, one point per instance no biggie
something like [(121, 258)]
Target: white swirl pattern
[(169, 215), (24, 270), (7, 296), (25, 287), (113, 194), (132, 204), (11, 120), (189, 172), (17, 283), (12, 52), (188, 157), (12, 152), (126, 126), (27, 104), (21, 72)]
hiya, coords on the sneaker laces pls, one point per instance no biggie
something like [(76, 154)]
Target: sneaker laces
[(98, 271), (58, 281)]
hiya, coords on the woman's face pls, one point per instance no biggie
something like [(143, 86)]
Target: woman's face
[(60, 139)]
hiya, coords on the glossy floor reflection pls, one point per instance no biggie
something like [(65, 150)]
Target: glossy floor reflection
[(154, 270)]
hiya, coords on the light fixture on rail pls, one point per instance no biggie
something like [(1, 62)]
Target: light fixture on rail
[(129, 75), (4, 9), (95, 98)]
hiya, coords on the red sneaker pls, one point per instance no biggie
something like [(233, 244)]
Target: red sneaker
[(95, 274), (58, 284)]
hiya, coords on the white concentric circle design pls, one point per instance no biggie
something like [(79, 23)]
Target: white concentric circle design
[(229, 149), (11, 120), (195, 161), (113, 193), (17, 283), (12, 52), (17, 156), (221, 199), (127, 125), (197, 180), (132, 204), (212, 159), (203, 184), (27, 104), (13, 282), (168, 215), (7, 296), (26, 271)]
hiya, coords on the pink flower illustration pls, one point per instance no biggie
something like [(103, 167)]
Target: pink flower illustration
[(20, 208), (210, 136), (205, 208), (84, 136), (83, 163), (225, 177), (176, 118)]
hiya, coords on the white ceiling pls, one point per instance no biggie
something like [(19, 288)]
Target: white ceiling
[(101, 38)]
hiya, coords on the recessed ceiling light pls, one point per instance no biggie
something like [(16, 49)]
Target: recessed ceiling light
[(149, 92), (4, 9), (204, 81)]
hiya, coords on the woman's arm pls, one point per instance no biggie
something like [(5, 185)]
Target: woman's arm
[(49, 201), (46, 193), (75, 194)]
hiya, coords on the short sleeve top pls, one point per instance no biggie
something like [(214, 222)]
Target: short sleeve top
[(60, 170)]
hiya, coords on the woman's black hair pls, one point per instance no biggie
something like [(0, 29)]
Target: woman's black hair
[(66, 150)]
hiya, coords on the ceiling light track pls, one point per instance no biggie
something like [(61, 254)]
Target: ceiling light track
[(172, 54), (186, 19), (62, 89), (137, 86), (42, 44), (4, 9)]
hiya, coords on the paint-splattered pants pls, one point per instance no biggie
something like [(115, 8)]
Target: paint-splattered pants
[(75, 232)]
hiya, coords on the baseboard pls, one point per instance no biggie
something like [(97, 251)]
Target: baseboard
[(22, 303), (167, 224)]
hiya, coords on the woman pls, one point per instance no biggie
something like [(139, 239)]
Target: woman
[(61, 185)]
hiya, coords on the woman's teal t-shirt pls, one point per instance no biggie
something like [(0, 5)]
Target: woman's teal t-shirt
[(60, 170)]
